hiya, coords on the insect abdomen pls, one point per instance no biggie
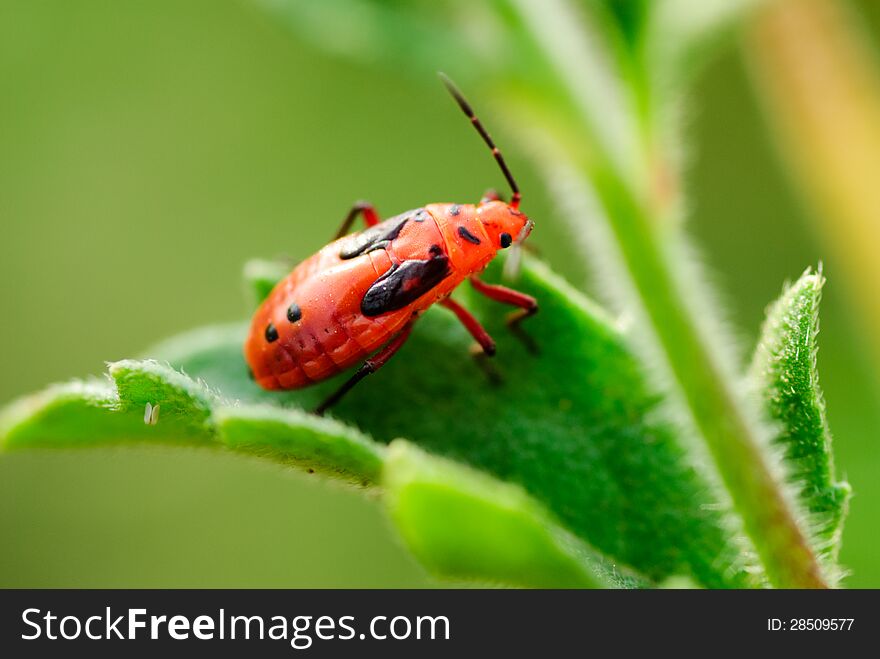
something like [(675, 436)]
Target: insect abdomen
[(310, 326)]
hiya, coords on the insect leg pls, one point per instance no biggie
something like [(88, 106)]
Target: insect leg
[(485, 346), (528, 306), (472, 325), (371, 217), (372, 365), (484, 362)]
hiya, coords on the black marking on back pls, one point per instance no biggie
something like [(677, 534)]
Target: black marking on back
[(376, 237), (467, 235), (403, 284), (294, 313), (271, 333), (382, 244)]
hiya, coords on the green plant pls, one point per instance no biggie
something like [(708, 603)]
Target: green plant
[(625, 453)]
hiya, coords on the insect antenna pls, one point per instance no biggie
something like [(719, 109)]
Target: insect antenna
[(469, 112)]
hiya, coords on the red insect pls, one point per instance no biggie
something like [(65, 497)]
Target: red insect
[(362, 293)]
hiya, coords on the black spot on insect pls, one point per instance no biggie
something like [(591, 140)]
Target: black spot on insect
[(271, 333), (376, 237), (435, 250), (467, 235), (506, 240), (294, 313), (403, 284), (454, 210)]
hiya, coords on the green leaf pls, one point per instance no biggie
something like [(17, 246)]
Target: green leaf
[(463, 524), (297, 438), (574, 426), (70, 414), (784, 369), (111, 411), (539, 552), (96, 412), (185, 405)]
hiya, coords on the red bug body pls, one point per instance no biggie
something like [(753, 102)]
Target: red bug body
[(362, 293), (332, 332)]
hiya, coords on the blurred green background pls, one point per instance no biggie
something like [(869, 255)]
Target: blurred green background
[(147, 149)]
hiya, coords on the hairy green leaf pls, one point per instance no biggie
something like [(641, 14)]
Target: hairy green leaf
[(115, 411), (185, 405), (572, 425), (463, 524), (784, 370), (301, 439), (70, 414), (110, 411)]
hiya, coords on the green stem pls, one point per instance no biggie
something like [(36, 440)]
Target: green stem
[(726, 424), (726, 420)]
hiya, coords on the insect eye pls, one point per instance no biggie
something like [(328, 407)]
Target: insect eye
[(506, 240)]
